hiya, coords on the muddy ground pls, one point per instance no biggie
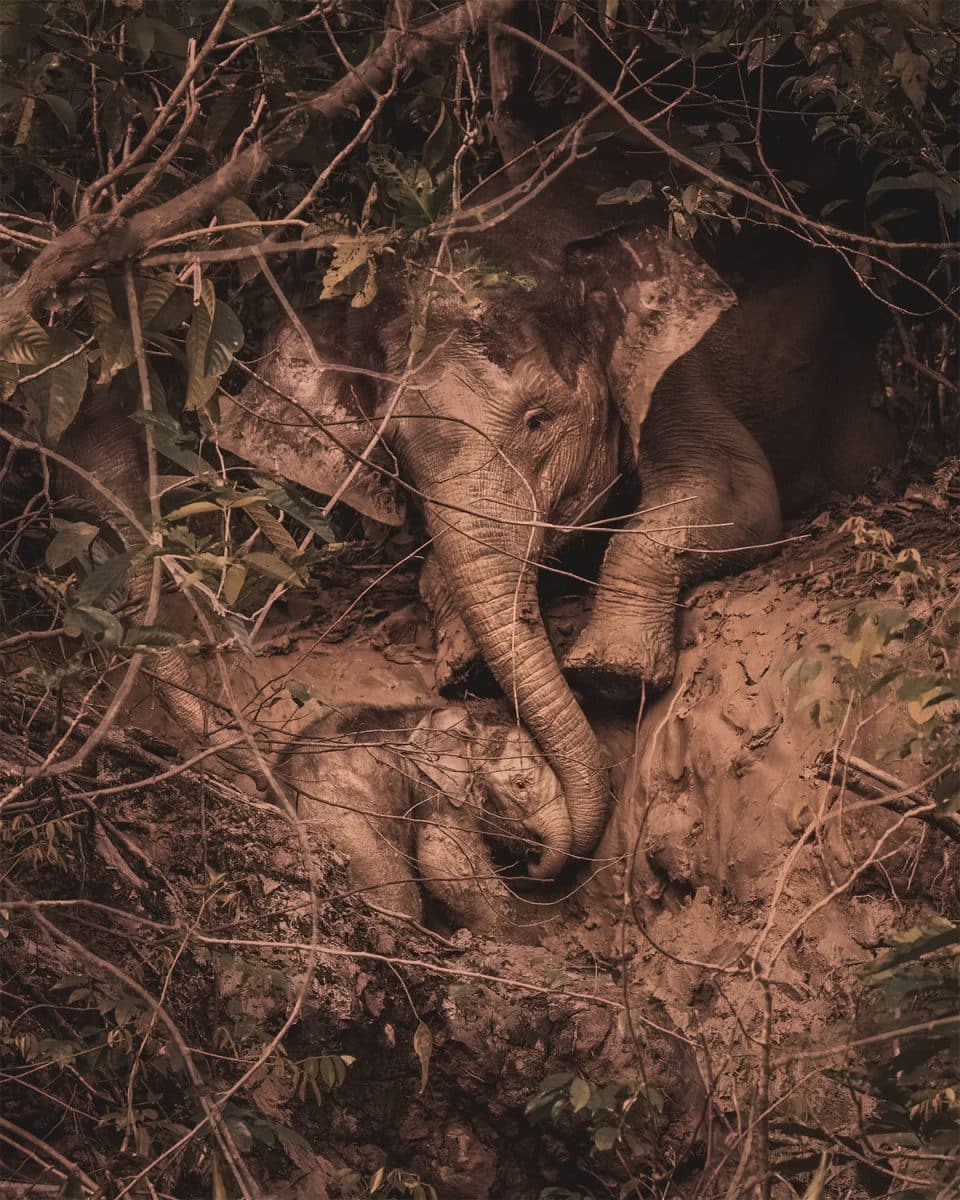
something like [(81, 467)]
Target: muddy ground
[(707, 961)]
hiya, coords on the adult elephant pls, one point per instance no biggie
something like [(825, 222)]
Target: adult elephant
[(508, 401)]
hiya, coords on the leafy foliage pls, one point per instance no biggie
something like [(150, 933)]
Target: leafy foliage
[(915, 1092), (831, 118), (874, 662), (616, 1119)]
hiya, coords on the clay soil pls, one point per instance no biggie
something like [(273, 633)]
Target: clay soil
[(708, 961)]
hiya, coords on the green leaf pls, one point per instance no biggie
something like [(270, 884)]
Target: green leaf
[(153, 296), (349, 255), (99, 303), (96, 623), (199, 332), (234, 212), (423, 1048), (273, 567), (68, 383), (556, 1081), (215, 334), (199, 388), (605, 1138), (111, 66), (438, 148), (23, 341), (113, 337), (173, 442), (819, 1181), (291, 500), (579, 1094), (71, 541), (116, 349), (234, 579), (914, 71), (193, 509), (175, 311), (917, 686), (222, 111), (241, 1135), (946, 188), (141, 36), (57, 393), (225, 339), (804, 669), (104, 579), (271, 527), (169, 40), (62, 110), (369, 290), (639, 190), (690, 197), (763, 49), (9, 378), (409, 185), (934, 934)]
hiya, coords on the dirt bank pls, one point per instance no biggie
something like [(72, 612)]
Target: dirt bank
[(693, 988)]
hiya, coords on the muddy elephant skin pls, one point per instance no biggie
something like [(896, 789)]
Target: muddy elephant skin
[(422, 806), (509, 400)]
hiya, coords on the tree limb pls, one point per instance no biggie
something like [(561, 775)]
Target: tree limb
[(99, 239), (705, 172)]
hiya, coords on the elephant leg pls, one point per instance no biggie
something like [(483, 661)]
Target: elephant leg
[(456, 869), (458, 659), (708, 497)]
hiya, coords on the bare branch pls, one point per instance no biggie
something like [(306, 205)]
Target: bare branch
[(97, 240), (641, 127)]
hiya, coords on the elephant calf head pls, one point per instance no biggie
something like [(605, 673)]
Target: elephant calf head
[(498, 775), (495, 402)]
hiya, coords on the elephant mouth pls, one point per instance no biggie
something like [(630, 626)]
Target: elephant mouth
[(519, 845), (515, 860)]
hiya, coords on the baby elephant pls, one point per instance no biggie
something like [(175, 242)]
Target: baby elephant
[(426, 805)]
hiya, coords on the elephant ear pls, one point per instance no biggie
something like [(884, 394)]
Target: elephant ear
[(441, 749), (311, 423), (653, 298)]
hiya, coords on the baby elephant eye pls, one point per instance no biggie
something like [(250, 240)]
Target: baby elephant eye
[(520, 783), (535, 418)]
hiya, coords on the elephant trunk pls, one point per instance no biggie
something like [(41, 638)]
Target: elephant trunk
[(550, 833), (489, 562)]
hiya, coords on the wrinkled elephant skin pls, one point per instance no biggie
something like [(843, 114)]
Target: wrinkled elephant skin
[(511, 402), (425, 808)]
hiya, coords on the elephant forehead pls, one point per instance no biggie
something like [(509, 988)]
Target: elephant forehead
[(510, 369), (521, 752), (508, 325), (462, 373)]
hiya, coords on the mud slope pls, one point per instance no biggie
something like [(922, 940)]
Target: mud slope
[(704, 964)]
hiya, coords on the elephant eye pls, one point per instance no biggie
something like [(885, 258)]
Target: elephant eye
[(535, 418), (520, 783)]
